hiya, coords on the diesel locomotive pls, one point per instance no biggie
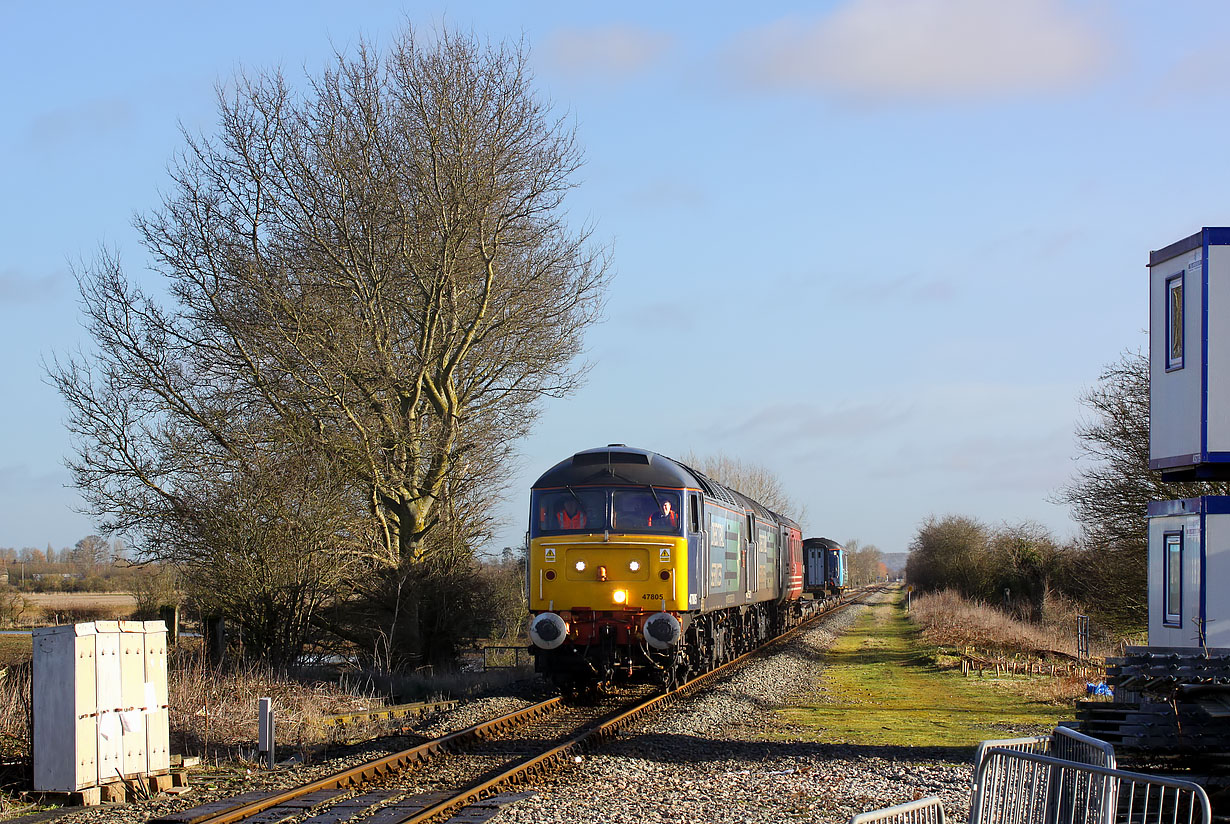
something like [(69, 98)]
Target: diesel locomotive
[(640, 566)]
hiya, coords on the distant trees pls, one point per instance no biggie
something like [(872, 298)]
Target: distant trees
[(862, 562), (91, 551), (950, 553), (372, 285), (1020, 567)]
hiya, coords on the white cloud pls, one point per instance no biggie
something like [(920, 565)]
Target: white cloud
[(926, 50), (1195, 74), (18, 288), (84, 121), (614, 51)]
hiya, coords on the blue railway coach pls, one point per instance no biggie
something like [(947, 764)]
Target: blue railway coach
[(824, 567)]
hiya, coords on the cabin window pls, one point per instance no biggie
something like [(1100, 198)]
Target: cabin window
[(694, 512), (1174, 322), (1172, 597), (577, 510), (643, 510)]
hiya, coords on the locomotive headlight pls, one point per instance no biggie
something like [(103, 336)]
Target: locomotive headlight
[(620, 596), (634, 565), (580, 566)]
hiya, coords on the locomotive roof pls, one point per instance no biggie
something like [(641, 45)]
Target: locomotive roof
[(823, 543), (617, 463)]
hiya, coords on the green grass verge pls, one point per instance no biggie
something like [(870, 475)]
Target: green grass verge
[(880, 687)]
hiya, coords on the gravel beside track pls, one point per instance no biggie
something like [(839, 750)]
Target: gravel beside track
[(706, 760), (702, 760)]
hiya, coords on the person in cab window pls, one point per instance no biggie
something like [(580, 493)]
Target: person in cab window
[(668, 518), (571, 516)]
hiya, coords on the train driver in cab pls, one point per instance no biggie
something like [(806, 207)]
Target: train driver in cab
[(667, 518), (571, 516)]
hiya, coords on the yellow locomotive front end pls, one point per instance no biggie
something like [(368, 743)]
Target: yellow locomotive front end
[(602, 572), (608, 567)]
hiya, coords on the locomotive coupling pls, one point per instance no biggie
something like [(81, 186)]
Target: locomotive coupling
[(548, 630), (662, 630)]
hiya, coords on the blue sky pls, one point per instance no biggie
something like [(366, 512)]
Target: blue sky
[(886, 243)]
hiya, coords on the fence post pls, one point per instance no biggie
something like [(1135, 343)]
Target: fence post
[(1082, 637)]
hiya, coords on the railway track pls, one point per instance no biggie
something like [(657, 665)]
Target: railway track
[(471, 770)]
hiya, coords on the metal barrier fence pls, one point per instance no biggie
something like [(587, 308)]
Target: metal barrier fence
[(1071, 745), (1064, 743), (922, 811), (1017, 787)]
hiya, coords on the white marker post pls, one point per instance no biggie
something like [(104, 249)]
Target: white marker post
[(265, 745)]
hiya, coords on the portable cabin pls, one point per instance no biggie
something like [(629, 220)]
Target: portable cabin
[(1189, 572), (1189, 386)]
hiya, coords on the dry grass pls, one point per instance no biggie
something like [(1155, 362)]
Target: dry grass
[(948, 620), (14, 710), (952, 624), (214, 714), (14, 649), (74, 607)]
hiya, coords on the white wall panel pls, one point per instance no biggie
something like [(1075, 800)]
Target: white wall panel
[(1219, 349), (132, 696), (65, 750), (1174, 396), (107, 685), (157, 733)]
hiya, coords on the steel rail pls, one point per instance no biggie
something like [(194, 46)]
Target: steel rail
[(595, 733), (604, 729), (369, 770)]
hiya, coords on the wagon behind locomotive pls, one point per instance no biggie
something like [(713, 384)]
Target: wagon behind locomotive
[(620, 587), (824, 567)]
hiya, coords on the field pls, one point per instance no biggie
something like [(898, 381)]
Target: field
[(116, 604), (881, 687), (48, 608)]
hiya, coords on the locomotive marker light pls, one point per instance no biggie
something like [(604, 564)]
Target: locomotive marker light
[(662, 630), (620, 596), (633, 566), (580, 566), (548, 630), (601, 573)]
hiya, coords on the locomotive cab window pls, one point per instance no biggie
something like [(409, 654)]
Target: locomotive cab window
[(694, 512), (644, 510), (578, 510)]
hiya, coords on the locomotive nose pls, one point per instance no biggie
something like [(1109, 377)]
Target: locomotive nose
[(662, 630), (548, 630)]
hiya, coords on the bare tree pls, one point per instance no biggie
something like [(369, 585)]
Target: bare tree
[(376, 270), (754, 480), (89, 553), (1111, 492)]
